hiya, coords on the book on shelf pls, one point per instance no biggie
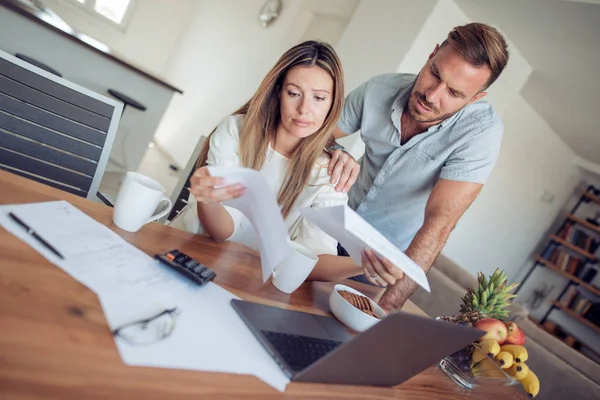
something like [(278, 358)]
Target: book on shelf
[(573, 300), (582, 306), (548, 251), (570, 297), (578, 237), (564, 260)]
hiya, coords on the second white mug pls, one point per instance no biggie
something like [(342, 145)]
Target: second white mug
[(138, 197)]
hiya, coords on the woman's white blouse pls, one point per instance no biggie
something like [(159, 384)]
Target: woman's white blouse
[(224, 150)]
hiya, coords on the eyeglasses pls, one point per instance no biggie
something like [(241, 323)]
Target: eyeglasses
[(149, 330)]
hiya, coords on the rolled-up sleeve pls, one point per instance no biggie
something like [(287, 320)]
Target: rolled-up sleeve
[(474, 160), (351, 118)]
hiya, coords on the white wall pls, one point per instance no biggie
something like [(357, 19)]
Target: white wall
[(505, 224), (153, 31), (325, 28), (445, 16), (378, 36), (220, 62), (224, 56), (376, 40)]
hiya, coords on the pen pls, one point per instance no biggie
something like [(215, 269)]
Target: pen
[(34, 235)]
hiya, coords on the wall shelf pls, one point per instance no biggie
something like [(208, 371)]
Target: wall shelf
[(578, 317), (560, 247)]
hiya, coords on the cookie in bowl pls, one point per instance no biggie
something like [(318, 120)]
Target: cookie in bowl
[(354, 309)]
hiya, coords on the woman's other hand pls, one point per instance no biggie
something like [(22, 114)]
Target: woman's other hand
[(207, 189)]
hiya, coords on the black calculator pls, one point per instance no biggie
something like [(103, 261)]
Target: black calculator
[(187, 266)]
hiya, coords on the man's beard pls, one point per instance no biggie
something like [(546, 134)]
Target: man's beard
[(417, 117)]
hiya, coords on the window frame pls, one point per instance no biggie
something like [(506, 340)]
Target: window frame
[(88, 6)]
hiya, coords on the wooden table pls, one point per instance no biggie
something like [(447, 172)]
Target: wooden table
[(55, 342)]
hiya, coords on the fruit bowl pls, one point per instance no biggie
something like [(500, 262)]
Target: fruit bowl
[(499, 357), (459, 368)]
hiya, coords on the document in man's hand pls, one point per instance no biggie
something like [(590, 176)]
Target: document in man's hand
[(356, 234)]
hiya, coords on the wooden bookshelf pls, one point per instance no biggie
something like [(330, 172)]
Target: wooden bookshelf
[(584, 223), (571, 246), (572, 277), (554, 245), (578, 317)]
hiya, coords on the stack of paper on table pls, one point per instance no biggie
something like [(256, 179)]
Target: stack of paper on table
[(208, 335)]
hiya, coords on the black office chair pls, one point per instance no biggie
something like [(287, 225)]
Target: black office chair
[(181, 200), (52, 130), (181, 192), (38, 64)]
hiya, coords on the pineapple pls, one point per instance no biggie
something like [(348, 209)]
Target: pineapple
[(490, 300)]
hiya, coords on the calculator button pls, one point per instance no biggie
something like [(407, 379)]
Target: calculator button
[(206, 273), (191, 264), (199, 268), (182, 259)]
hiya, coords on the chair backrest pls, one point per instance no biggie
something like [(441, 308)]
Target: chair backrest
[(52, 130), (181, 192)]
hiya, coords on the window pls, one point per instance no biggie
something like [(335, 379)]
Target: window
[(117, 11)]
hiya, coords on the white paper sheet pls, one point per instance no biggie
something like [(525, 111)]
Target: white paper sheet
[(260, 206), (208, 335), (356, 234), (94, 255)]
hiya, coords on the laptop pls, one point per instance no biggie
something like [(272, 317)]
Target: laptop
[(315, 348)]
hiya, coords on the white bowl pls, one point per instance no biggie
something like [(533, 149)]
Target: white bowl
[(349, 315)]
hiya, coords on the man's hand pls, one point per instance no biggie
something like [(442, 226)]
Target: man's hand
[(379, 270), (343, 169)]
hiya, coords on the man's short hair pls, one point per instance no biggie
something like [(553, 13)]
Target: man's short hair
[(480, 44)]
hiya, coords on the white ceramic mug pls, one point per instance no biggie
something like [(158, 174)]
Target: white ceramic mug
[(294, 269), (138, 198)]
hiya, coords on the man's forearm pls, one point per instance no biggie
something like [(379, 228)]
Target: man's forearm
[(446, 204), (423, 250)]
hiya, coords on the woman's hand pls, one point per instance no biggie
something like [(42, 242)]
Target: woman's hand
[(379, 270), (205, 188)]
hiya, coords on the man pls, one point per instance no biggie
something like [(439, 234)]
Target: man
[(429, 147)]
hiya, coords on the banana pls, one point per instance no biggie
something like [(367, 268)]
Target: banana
[(531, 384), (487, 368), (489, 348), (504, 359), (519, 353), (518, 371)]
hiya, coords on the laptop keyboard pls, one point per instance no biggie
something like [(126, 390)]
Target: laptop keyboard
[(300, 351)]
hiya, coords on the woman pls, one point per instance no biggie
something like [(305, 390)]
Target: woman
[(281, 132)]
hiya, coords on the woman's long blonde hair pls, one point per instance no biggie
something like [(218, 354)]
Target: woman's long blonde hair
[(262, 116)]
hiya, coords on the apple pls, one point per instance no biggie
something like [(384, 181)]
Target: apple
[(494, 328), (515, 334)]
